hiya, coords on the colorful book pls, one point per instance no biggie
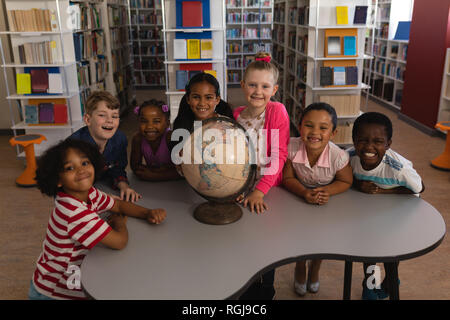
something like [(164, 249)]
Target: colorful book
[(206, 47), (182, 78), (39, 80), (195, 66), (192, 14), (193, 49), (342, 15), (351, 75), (31, 114), (23, 83), (179, 49), (339, 76), (60, 113), (46, 114), (360, 15), (349, 46)]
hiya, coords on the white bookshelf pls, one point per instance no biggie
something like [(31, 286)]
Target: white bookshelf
[(299, 53), (385, 73), (171, 65), (147, 54), (249, 27), (444, 103)]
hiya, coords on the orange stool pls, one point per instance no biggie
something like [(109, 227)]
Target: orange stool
[(443, 161), (27, 141)]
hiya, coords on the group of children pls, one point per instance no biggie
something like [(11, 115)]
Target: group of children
[(310, 166)]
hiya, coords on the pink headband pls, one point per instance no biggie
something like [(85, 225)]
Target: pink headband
[(266, 59)]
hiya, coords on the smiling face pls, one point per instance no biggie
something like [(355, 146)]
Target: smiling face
[(316, 130), (78, 174), (259, 86), (371, 143), (152, 123), (203, 100), (103, 122)]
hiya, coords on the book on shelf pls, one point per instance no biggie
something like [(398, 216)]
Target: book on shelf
[(196, 66), (39, 80), (55, 83), (60, 113), (182, 78), (179, 49), (360, 15), (193, 49), (31, 114), (349, 46), (206, 49), (43, 52), (334, 46), (32, 20), (351, 75), (23, 83), (46, 113), (192, 14), (339, 76), (388, 92), (326, 76), (211, 72), (341, 15)]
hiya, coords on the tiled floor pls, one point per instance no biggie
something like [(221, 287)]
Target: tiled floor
[(24, 215)]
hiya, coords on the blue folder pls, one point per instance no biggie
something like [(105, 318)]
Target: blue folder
[(349, 46)]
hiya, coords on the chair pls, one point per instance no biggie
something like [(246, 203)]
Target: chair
[(27, 141), (443, 161)]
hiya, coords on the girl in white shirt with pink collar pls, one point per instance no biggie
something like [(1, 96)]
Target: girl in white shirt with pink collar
[(315, 169)]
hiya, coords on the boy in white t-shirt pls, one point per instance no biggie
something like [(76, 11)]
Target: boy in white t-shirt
[(378, 169)]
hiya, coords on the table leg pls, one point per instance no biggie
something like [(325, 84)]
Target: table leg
[(392, 274), (348, 280)]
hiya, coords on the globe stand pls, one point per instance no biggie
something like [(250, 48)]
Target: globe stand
[(216, 213)]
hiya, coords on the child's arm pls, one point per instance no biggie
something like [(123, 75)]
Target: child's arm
[(117, 238), (372, 188), (291, 183), (342, 182), (158, 174), (154, 216)]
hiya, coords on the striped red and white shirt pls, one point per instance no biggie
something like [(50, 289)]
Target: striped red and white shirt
[(74, 228)]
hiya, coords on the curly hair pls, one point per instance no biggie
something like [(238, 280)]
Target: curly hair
[(320, 106), (154, 103), (372, 118), (51, 164)]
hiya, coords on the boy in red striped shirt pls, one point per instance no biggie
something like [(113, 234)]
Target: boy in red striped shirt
[(67, 172)]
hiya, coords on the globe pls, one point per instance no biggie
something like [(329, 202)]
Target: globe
[(216, 165)]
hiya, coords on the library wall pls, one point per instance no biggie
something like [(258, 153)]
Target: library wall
[(5, 118), (428, 40)]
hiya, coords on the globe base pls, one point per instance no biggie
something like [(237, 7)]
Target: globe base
[(218, 213)]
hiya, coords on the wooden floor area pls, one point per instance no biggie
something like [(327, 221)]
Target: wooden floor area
[(24, 214)]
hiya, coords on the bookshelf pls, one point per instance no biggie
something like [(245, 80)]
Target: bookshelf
[(49, 23), (386, 72), (444, 103), (148, 49), (317, 57), (119, 39), (189, 49), (249, 29)]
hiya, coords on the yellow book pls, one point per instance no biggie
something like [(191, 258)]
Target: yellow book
[(342, 14), (212, 72), (193, 49), (23, 83), (206, 49)]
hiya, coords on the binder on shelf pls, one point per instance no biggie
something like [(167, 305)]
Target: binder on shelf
[(179, 49), (193, 49), (326, 76), (39, 80), (23, 83), (55, 84), (349, 46), (192, 14), (402, 32), (46, 114), (334, 46), (341, 15), (339, 76), (31, 114), (360, 15), (351, 75), (206, 49), (60, 113), (182, 78)]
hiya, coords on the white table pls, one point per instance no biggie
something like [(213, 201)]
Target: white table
[(185, 259)]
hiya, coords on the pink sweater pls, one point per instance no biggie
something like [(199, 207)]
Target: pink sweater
[(276, 118)]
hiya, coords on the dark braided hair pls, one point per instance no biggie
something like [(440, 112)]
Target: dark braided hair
[(154, 103)]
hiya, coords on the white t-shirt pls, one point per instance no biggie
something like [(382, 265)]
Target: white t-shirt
[(393, 171)]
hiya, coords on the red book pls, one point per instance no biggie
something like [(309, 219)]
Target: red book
[(195, 66), (39, 80), (60, 113), (192, 14)]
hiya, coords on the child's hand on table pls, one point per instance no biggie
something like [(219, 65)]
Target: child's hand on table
[(255, 201), (126, 193), (322, 195), (156, 216), (369, 187)]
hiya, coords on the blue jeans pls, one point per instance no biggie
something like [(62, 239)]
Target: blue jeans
[(33, 294)]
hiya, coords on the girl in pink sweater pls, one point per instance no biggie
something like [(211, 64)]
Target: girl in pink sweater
[(269, 121)]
